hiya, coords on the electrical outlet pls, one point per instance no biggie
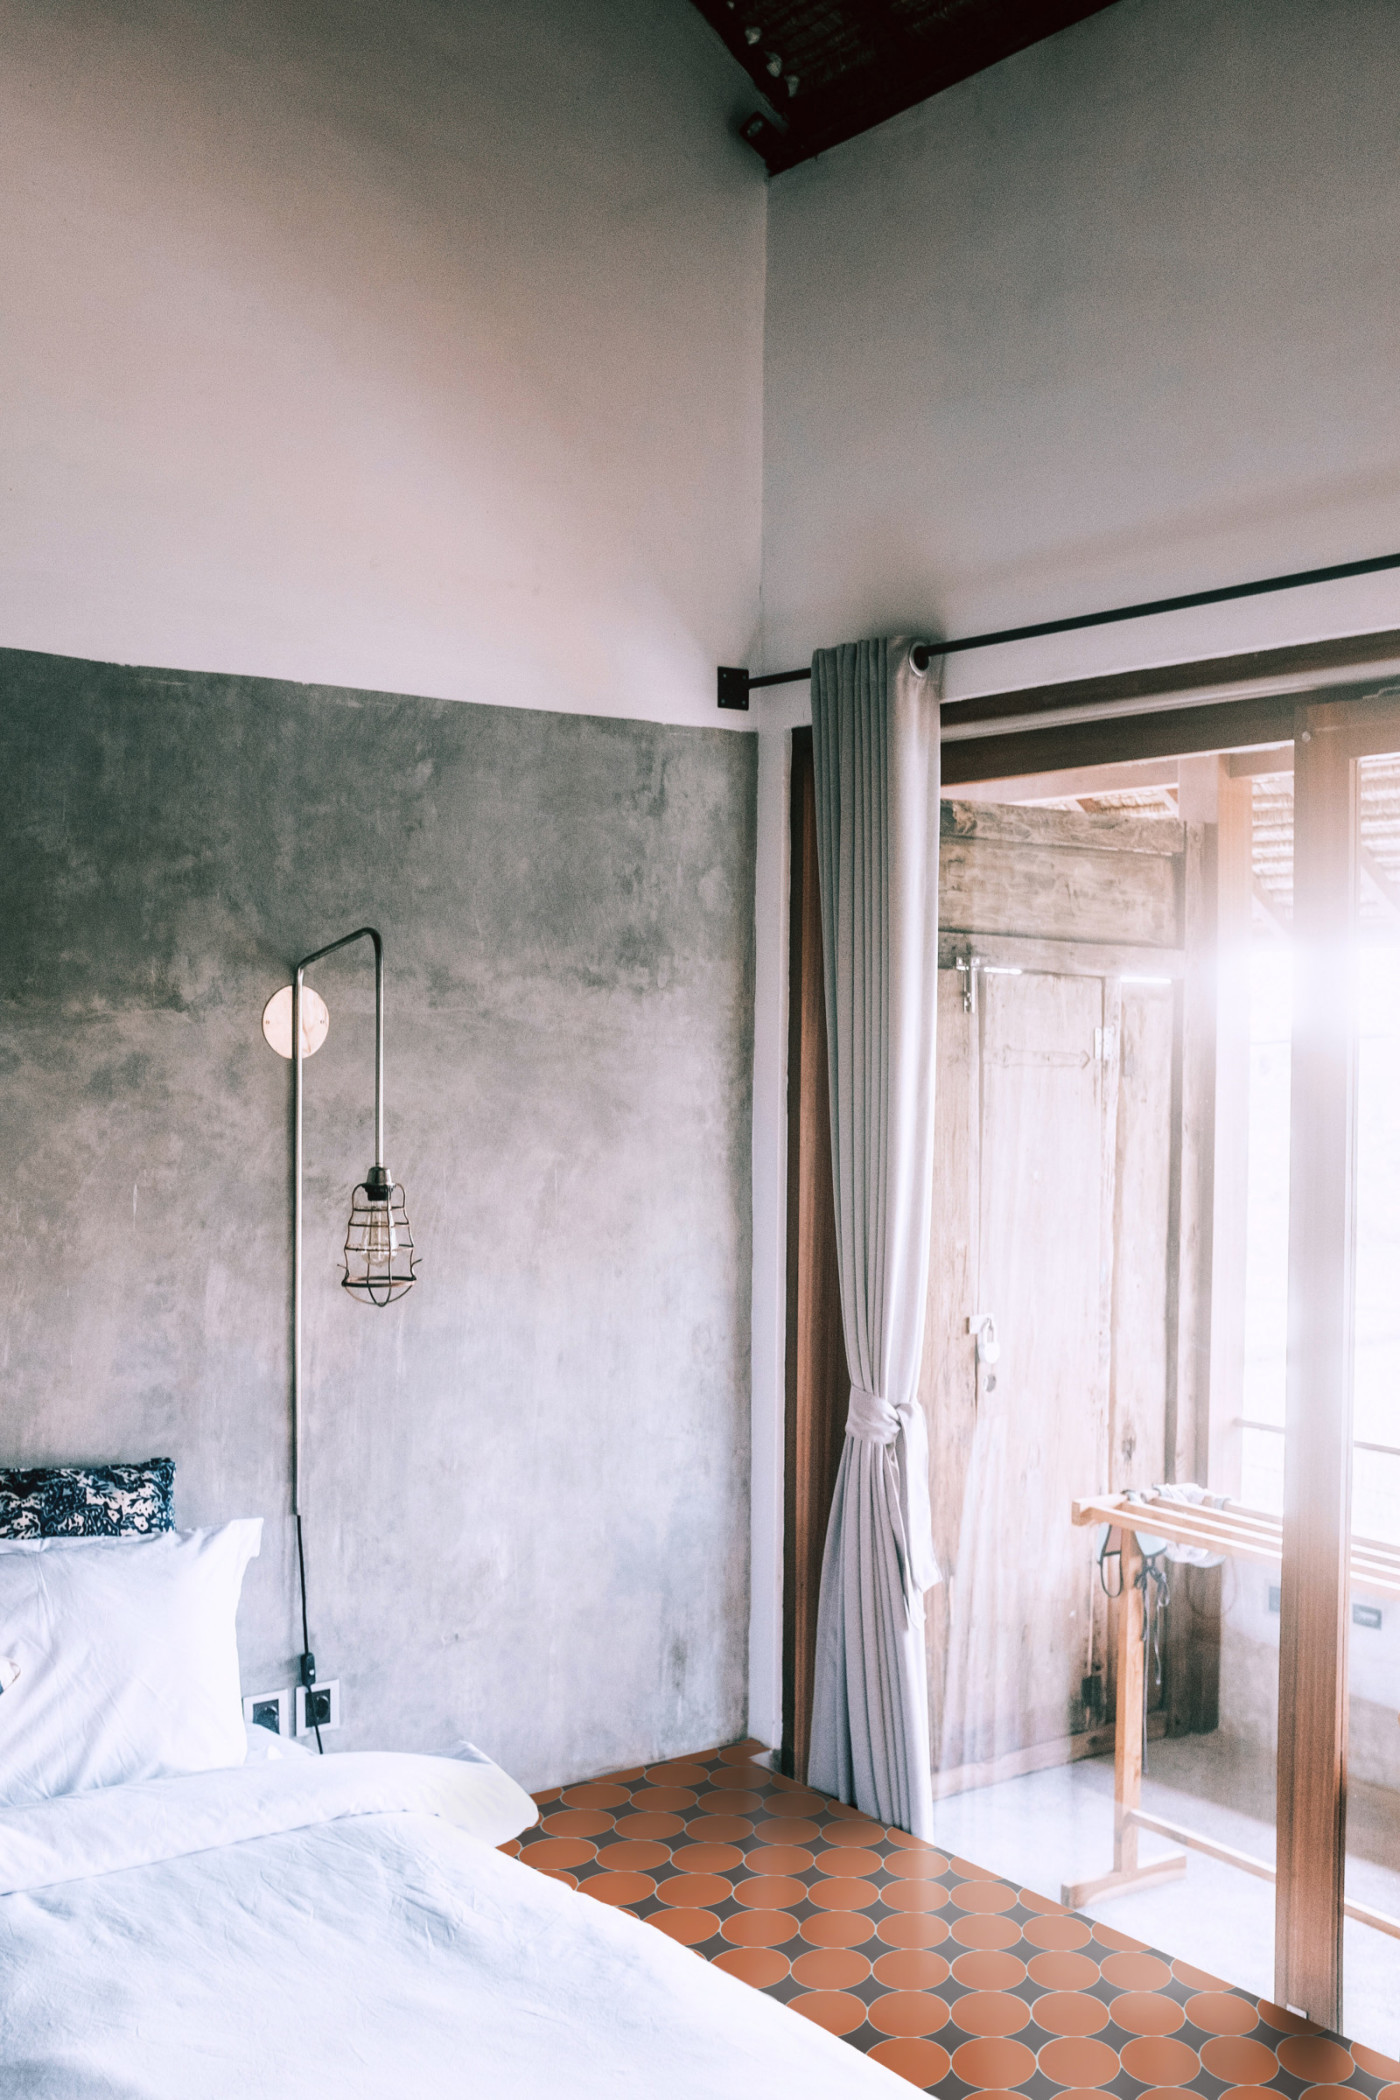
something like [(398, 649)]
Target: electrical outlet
[(270, 1710), (318, 1706)]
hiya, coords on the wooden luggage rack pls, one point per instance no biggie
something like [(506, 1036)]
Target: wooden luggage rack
[(1240, 1534)]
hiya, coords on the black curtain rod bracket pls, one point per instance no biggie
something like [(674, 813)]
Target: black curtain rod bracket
[(735, 684)]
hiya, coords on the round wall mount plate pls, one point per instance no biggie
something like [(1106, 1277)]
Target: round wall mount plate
[(277, 1021)]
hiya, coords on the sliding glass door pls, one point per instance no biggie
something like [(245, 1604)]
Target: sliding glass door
[(1168, 1251), (1108, 1313), (1166, 1266)]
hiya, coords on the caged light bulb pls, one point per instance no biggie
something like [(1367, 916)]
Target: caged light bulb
[(380, 1262)]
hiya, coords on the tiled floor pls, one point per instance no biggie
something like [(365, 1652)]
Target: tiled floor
[(951, 1977), (1058, 1825)]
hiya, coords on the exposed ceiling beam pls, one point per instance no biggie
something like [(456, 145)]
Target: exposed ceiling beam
[(841, 69)]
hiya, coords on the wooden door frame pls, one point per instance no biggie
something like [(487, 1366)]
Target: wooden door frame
[(817, 1382)]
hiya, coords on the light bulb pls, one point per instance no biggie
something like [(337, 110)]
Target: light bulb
[(381, 1240)]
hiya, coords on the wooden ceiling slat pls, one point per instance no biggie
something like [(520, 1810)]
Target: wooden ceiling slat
[(859, 63)]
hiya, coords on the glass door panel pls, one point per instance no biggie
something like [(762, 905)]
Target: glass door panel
[(1268, 962), (1153, 984), (1108, 1314)]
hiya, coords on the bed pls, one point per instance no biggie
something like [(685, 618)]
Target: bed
[(180, 1922), (331, 1926)]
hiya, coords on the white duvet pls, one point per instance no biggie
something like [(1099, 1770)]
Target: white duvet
[(328, 1929)]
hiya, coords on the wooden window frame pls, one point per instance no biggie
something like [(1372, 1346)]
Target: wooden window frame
[(1314, 1692)]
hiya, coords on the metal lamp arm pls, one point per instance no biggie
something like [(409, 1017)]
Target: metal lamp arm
[(361, 933)]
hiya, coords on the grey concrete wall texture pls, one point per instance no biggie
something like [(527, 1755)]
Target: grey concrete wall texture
[(526, 1484)]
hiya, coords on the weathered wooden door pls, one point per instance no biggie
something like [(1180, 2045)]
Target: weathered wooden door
[(1020, 1606), (1053, 1201)]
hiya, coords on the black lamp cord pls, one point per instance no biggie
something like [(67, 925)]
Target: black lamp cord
[(308, 1660)]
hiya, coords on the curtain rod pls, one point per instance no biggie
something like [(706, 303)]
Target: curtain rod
[(735, 684)]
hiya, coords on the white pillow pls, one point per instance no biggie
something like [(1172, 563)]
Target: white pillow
[(125, 1658), (265, 1748)]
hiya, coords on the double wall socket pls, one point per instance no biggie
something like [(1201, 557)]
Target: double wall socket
[(295, 1709)]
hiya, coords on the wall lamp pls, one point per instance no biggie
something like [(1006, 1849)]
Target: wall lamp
[(380, 1260)]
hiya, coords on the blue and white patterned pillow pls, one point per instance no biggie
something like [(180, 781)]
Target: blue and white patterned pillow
[(123, 1501), (21, 1510)]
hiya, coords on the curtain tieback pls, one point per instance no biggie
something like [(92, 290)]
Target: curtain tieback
[(870, 1419)]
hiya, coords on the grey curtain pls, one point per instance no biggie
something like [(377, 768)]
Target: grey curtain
[(875, 751)]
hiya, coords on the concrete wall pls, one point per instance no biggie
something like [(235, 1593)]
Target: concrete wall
[(413, 347), (1113, 320), (526, 1484)]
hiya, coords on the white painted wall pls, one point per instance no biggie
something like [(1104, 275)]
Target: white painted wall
[(416, 348), (1113, 320)]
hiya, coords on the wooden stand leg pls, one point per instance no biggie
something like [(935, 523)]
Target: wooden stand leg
[(1127, 1753), (1129, 1717)]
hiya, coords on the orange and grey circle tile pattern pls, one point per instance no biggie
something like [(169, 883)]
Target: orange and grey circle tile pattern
[(946, 1974)]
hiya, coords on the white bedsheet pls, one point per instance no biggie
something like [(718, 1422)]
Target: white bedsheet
[(326, 1929)]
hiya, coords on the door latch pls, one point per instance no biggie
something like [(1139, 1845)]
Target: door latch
[(983, 1328), (967, 966)]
